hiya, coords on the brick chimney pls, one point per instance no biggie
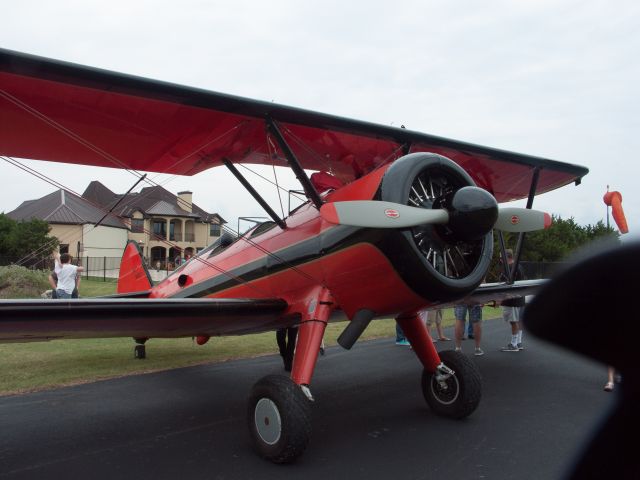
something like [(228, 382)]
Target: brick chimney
[(185, 201)]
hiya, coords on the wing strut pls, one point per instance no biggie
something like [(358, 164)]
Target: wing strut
[(294, 163), (254, 193), (510, 272)]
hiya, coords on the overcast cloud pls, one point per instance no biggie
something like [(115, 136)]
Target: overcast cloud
[(557, 79)]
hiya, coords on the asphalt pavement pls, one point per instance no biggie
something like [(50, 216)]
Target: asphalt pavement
[(370, 420)]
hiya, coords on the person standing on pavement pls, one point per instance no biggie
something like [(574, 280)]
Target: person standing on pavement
[(429, 317), (512, 310), (475, 318)]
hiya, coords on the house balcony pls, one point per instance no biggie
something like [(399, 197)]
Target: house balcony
[(190, 237)]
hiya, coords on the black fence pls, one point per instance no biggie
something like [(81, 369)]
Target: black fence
[(99, 267)]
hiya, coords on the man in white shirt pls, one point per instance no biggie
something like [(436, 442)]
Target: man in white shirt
[(66, 277)]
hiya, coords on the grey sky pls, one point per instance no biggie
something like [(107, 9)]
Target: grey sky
[(558, 79)]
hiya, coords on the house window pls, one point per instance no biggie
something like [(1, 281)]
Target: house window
[(160, 229), (137, 225), (214, 230)]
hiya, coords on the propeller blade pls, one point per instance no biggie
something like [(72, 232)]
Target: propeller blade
[(512, 219), (375, 214)]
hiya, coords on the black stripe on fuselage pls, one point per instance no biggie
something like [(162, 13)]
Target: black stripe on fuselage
[(394, 244), (328, 242)]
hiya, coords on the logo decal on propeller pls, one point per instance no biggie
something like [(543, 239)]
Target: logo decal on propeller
[(392, 213)]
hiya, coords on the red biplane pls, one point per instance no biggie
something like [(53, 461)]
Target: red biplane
[(395, 221)]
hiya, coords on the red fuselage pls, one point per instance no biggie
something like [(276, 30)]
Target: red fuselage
[(310, 252)]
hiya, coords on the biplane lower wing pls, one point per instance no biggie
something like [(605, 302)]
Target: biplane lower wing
[(499, 292), (37, 320)]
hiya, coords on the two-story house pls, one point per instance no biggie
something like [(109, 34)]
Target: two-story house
[(165, 226), (72, 220)]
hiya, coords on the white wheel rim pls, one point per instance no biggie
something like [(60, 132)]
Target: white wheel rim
[(267, 421), (438, 396)]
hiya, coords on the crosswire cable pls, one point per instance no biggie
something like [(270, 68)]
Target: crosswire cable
[(113, 159), (166, 242)]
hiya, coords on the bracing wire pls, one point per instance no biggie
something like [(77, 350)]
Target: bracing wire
[(117, 162)]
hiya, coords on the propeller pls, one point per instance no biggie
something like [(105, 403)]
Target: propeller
[(471, 213)]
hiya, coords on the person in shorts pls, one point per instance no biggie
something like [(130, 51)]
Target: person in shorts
[(475, 318), (512, 311), (434, 316)]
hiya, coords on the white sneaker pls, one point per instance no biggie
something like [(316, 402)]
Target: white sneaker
[(478, 352)]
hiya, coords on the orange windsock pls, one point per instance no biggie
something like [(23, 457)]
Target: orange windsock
[(614, 200)]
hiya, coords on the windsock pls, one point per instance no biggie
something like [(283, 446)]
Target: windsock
[(614, 200)]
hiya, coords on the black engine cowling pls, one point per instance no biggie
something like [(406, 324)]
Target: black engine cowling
[(439, 262)]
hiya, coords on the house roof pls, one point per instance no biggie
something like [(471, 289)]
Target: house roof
[(150, 201), (63, 207), (98, 194), (165, 208)]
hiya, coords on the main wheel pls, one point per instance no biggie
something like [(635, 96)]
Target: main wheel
[(279, 419), (458, 395)]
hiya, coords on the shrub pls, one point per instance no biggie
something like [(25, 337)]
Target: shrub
[(20, 282)]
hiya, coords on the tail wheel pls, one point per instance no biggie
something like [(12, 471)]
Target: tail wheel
[(456, 395), (279, 419)]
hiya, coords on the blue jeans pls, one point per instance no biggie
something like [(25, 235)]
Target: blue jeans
[(62, 294)]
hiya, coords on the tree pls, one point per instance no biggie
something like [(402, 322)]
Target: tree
[(553, 244), (20, 239), (6, 226), (557, 242)]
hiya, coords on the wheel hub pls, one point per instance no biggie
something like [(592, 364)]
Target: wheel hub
[(452, 250), (446, 391), (267, 420)]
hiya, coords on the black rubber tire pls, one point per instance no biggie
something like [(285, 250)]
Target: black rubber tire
[(294, 412), (464, 388)]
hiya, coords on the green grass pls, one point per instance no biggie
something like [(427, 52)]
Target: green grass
[(36, 366), (93, 287)]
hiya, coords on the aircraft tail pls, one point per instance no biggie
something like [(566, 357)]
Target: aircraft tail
[(134, 276)]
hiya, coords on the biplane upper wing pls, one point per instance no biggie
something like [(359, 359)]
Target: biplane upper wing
[(33, 320), (58, 111)]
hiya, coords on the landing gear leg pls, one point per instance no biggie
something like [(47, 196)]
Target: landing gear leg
[(140, 351), (279, 411), (416, 332)]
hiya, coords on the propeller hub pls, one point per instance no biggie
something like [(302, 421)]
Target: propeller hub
[(472, 213)]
